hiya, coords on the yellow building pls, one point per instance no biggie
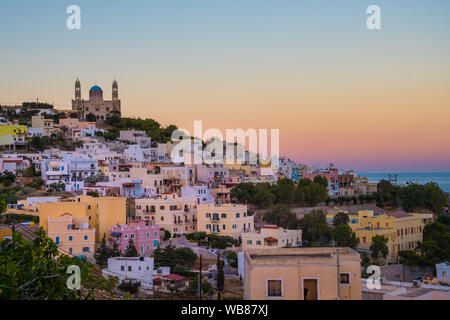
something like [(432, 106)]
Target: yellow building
[(302, 274), (271, 237), (402, 229), (72, 234), (5, 233), (224, 219), (103, 212), (12, 135), (173, 213)]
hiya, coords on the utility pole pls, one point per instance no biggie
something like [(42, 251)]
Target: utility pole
[(13, 231), (200, 280), (338, 273), (218, 275)]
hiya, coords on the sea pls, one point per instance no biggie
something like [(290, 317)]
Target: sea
[(441, 178)]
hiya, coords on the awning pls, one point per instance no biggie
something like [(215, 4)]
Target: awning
[(116, 234), (270, 239)]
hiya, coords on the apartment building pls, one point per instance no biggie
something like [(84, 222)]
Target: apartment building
[(12, 135), (55, 172), (136, 136), (145, 237), (102, 212), (201, 194), (271, 237), (302, 274), (72, 234), (184, 174), (152, 183), (170, 212), (39, 122), (224, 219), (213, 176), (403, 230), (10, 164)]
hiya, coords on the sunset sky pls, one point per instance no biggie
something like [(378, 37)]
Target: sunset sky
[(366, 100)]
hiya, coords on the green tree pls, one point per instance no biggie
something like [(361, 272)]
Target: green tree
[(315, 229), (344, 236), (232, 258), (243, 193), (263, 197), (131, 250), (286, 191), (435, 246), (167, 235), (220, 277), (115, 252), (315, 193), (340, 219), (321, 180), (281, 216), (90, 117), (379, 247), (103, 253), (37, 271)]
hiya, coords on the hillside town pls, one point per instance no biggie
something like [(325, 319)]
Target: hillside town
[(89, 187)]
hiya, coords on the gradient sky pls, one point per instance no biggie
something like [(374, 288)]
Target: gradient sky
[(367, 100)]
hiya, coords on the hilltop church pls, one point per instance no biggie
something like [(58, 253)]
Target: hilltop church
[(96, 105)]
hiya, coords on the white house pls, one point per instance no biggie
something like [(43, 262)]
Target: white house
[(201, 194), (131, 269)]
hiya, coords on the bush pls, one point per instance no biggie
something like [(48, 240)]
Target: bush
[(130, 286), (167, 235)]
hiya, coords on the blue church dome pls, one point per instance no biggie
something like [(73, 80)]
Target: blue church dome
[(95, 88)]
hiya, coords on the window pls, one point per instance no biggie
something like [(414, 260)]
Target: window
[(208, 226), (85, 249), (223, 215), (223, 227), (70, 250), (126, 237), (155, 243), (70, 238), (132, 236), (85, 237), (129, 268), (122, 268), (238, 215), (274, 288), (148, 234), (345, 278), (208, 215), (258, 242), (249, 242)]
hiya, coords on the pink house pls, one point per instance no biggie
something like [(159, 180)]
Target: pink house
[(145, 237)]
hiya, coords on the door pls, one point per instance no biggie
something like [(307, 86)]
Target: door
[(57, 240), (310, 289)]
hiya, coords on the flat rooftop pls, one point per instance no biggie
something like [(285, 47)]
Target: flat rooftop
[(299, 253)]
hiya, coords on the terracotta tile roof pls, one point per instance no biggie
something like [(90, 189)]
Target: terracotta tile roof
[(270, 227), (270, 239), (173, 276)]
